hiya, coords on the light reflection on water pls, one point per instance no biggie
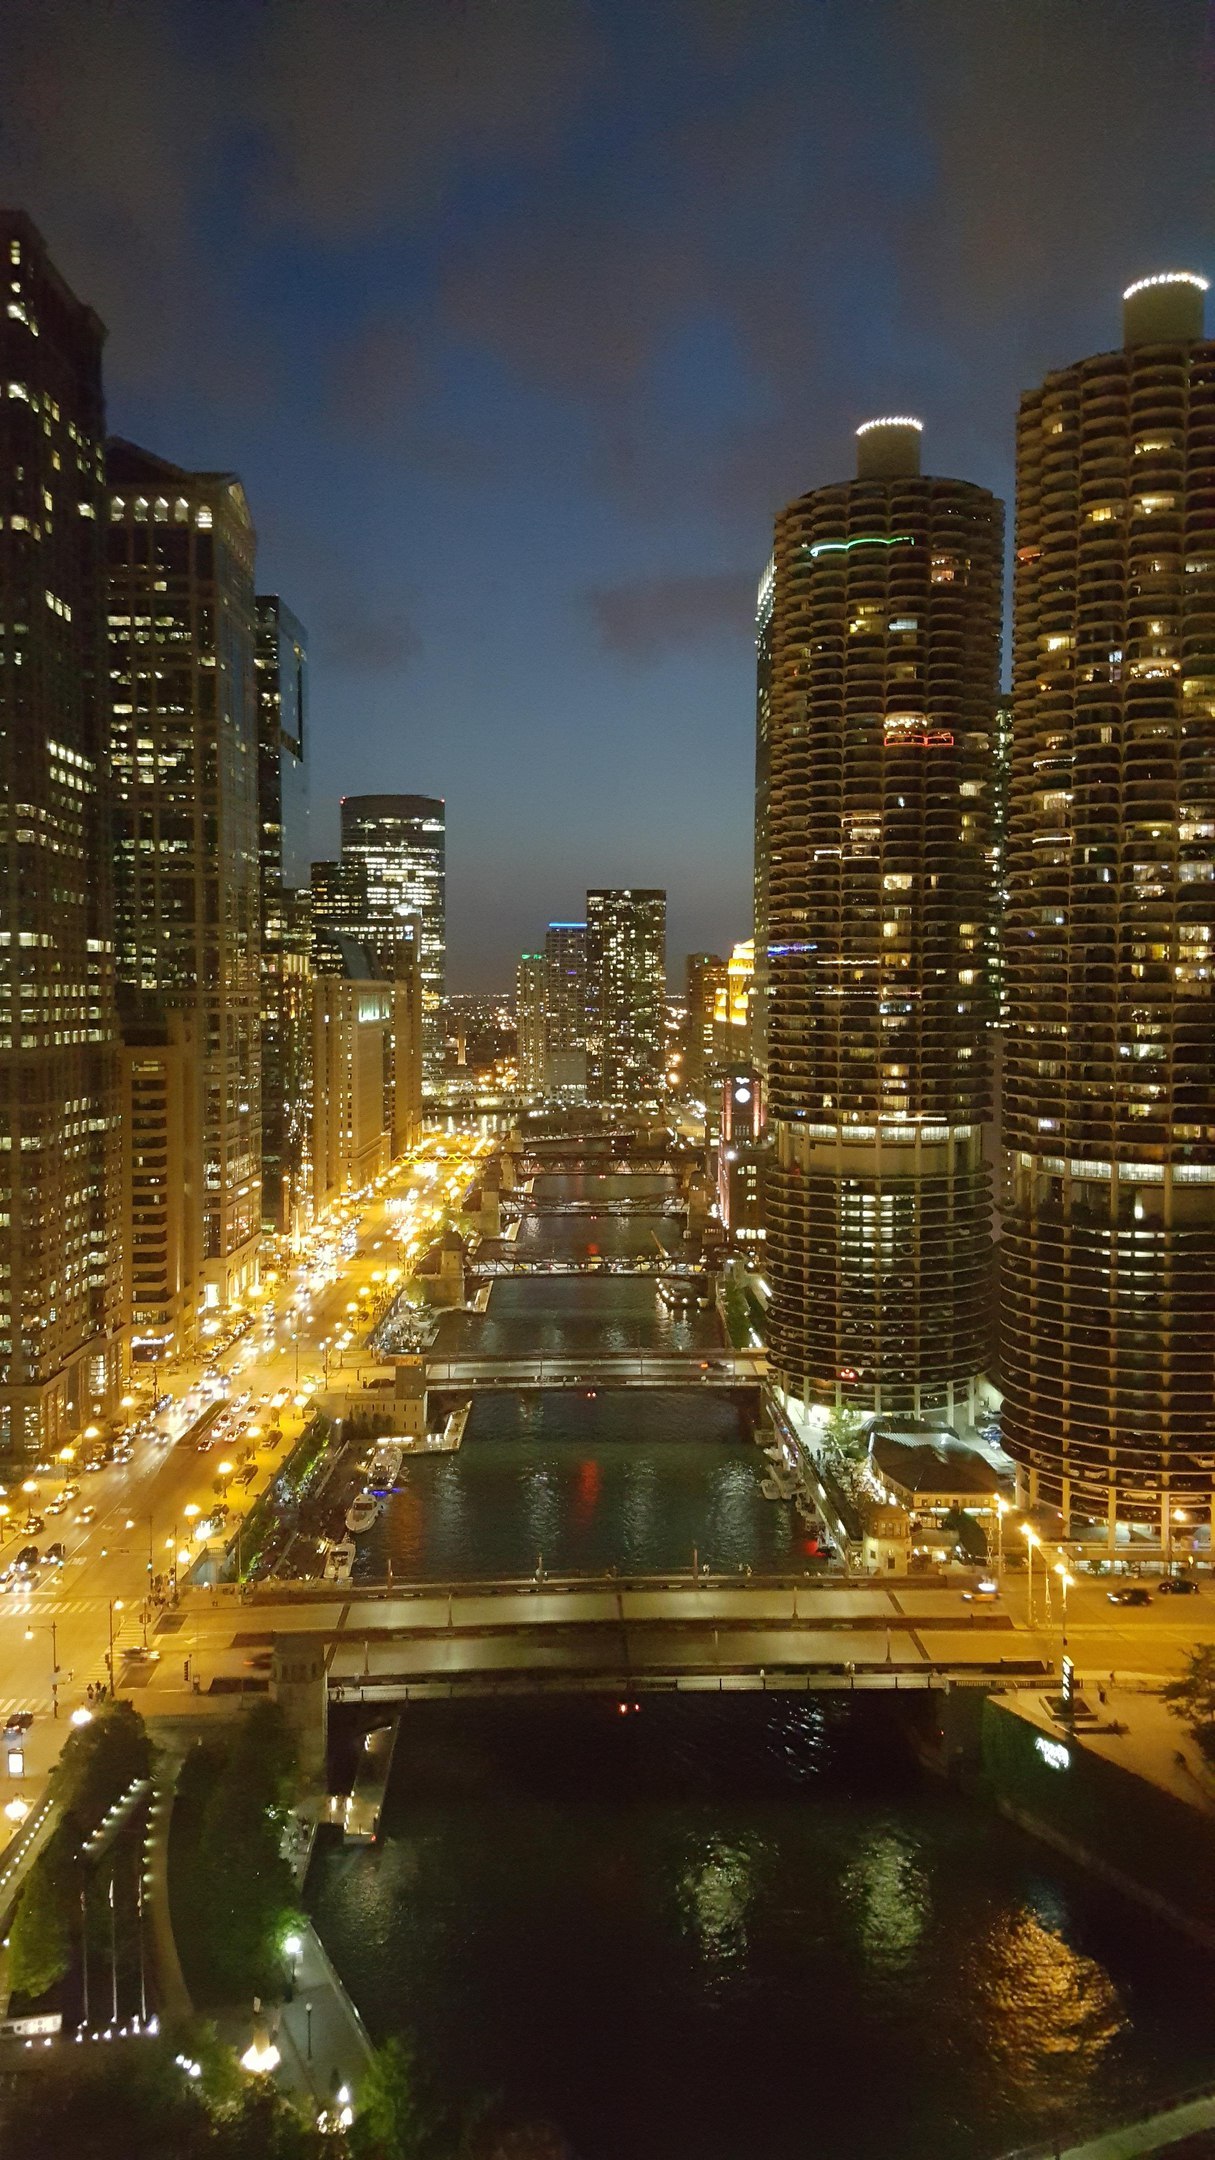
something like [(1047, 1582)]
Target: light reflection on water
[(745, 1926)]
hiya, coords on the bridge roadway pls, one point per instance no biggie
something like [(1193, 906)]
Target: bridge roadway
[(526, 1203), (580, 1635), (652, 1270), (651, 1369)]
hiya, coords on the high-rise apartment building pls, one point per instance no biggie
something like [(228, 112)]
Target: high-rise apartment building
[(281, 664), (184, 754), (565, 1010), (1108, 1249), (60, 1286), (626, 995), (397, 845), (704, 983), (764, 608), (529, 1020), (881, 654)]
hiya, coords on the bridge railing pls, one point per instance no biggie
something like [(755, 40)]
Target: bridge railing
[(593, 1368)]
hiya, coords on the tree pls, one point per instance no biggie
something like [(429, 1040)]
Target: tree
[(40, 1939), (738, 1320), (395, 2118), (100, 1760), (1192, 1698), (844, 1433)]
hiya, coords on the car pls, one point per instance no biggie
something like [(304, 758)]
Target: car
[(1133, 1595), (55, 1554), (86, 1514), (27, 1558), (70, 1492), (18, 1723), (1177, 1586), (124, 1453), (57, 1506), (983, 1592), (33, 1526)]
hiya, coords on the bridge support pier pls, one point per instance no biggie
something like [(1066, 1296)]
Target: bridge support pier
[(299, 1685)]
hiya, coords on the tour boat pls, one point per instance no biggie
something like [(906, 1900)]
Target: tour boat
[(385, 1466), (361, 1513)]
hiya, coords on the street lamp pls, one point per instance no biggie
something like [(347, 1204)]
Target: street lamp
[(1031, 1542), (1001, 1512), (292, 1947), (116, 1604), (54, 1630)]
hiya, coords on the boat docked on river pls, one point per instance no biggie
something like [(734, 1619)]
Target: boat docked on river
[(362, 1513), (385, 1466)]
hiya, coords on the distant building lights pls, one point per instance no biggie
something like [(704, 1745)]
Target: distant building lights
[(1167, 277), (892, 420)]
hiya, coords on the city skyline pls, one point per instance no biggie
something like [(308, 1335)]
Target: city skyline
[(404, 355)]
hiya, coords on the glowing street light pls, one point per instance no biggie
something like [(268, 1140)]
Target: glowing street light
[(1031, 1543)]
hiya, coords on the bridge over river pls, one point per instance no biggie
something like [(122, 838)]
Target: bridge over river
[(593, 1634), (593, 1369), (510, 1263)]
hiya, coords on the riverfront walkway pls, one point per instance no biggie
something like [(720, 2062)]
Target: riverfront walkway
[(1162, 2132)]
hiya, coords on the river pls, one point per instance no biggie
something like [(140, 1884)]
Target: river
[(704, 1928)]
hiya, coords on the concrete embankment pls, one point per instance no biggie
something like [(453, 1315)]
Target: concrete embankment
[(1112, 1818)]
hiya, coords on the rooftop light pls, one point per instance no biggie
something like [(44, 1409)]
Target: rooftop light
[(892, 420), (1168, 277)]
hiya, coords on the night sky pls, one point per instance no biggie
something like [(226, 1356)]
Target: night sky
[(519, 318)]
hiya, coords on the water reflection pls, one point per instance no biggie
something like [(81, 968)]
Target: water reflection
[(735, 1926)]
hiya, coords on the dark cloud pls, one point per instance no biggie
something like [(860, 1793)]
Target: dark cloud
[(362, 637), (372, 113), (651, 617)]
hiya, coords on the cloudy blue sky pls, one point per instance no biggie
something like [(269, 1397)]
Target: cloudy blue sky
[(519, 318)]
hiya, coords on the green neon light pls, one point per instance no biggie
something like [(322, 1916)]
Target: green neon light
[(844, 547)]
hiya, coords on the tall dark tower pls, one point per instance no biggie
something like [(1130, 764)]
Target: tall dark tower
[(1108, 1250), (881, 651), (60, 1176), (283, 750)]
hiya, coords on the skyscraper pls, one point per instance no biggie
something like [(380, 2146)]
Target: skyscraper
[(1108, 1251), (704, 981), (565, 1010), (626, 991), (184, 751), (282, 765), (529, 1019), (399, 843), (60, 1282), (882, 652)]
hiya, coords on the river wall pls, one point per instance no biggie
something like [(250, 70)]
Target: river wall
[(1110, 1820)]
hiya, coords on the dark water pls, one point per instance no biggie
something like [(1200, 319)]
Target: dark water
[(630, 1479), (723, 1928), (557, 1315), (740, 1928), (581, 1237)]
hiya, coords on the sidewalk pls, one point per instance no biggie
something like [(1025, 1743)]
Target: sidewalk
[(1155, 1745), (322, 2037)]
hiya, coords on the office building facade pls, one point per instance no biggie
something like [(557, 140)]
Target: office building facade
[(882, 654), (60, 1279), (395, 847), (530, 979), (283, 741), (1108, 1246), (565, 1010), (704, 984), (626, 995), (184, 756)]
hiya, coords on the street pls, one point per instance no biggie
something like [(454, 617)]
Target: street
[(147, 1509)]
